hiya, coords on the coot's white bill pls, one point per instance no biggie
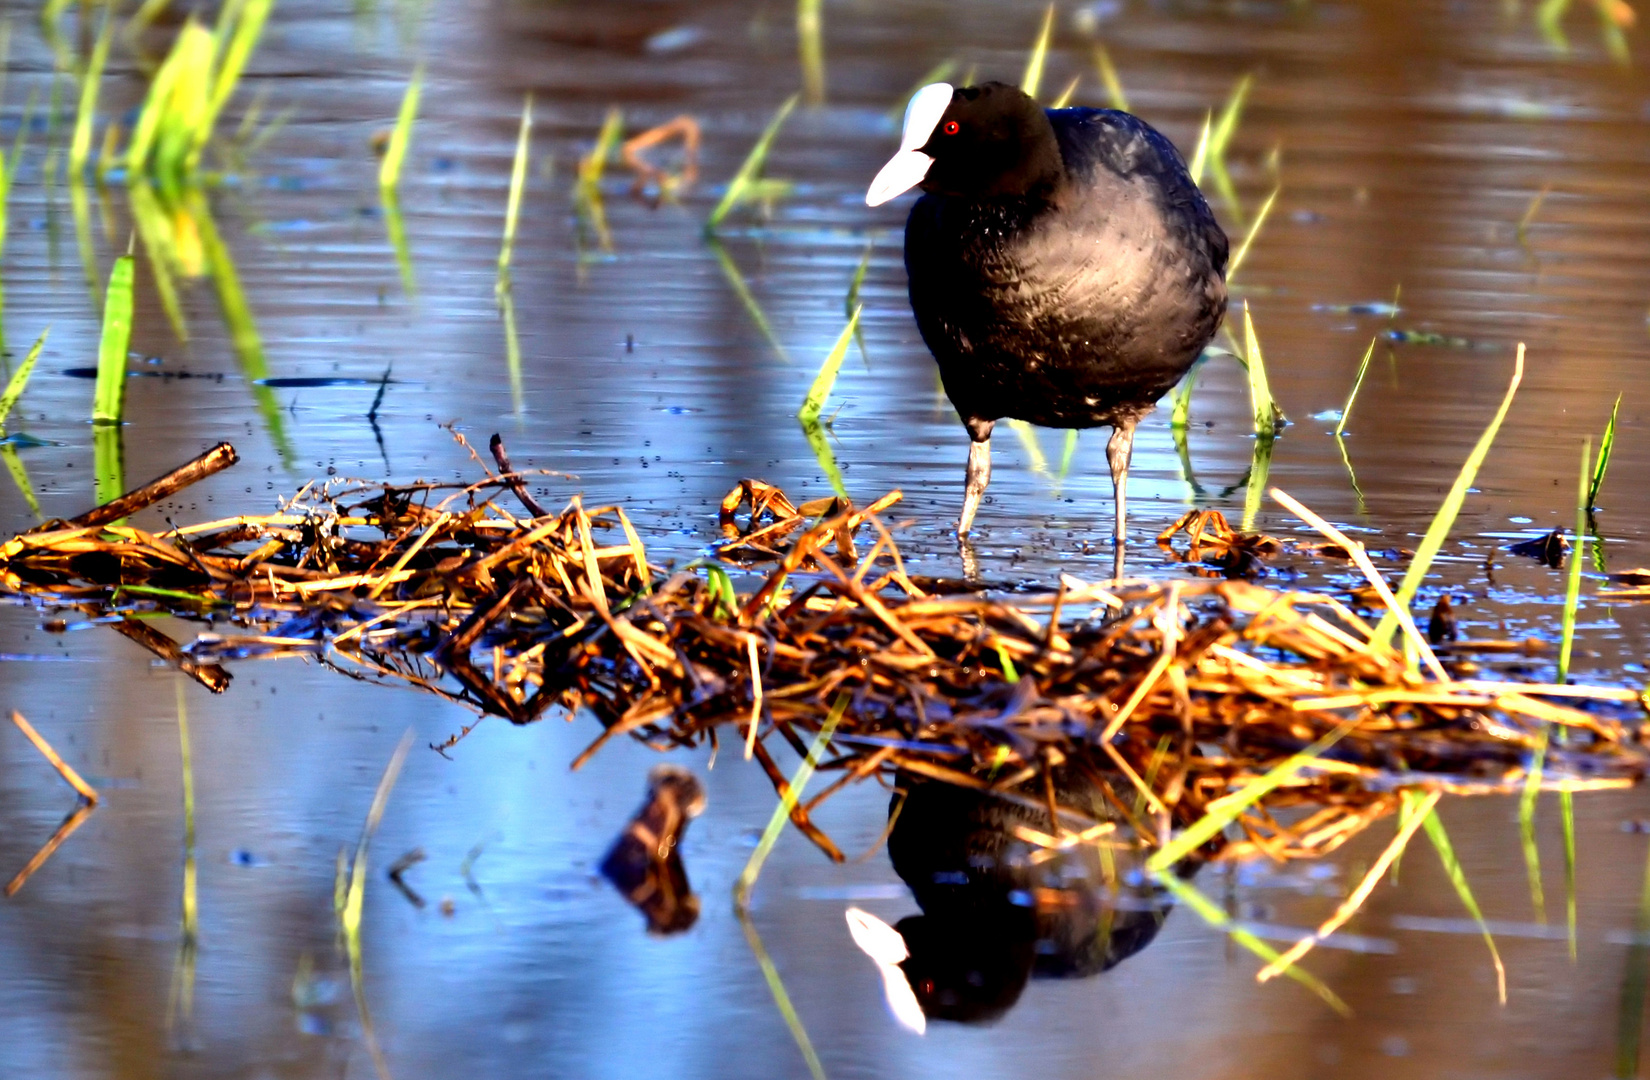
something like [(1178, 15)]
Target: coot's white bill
[(906, 168), (884, 944)]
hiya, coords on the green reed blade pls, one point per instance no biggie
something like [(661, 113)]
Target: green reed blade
[(1548, 18), (182, 999), (80, 144), (1180, 399), (186, 108), (1634, 984), (1064, 97), (237, 316), (20, 477), (20, 379), (1200, 155), (1221, 137), (155, 103), (593, 164), (1357, 384), (1266, 411), (1033, 77), (814, 403), (782, 812), (1434, 826), (1109, 79), (518, 184), (751, 168), (395, 228), (512, 349), (8, 166), (781, 999), (1066, 454), (850, 304), (154, 229), (80, 206), (1032, 444), (1226, 809), (1254, 487), (1572, 587), (395, 152), (110, 395), (109, 463), (1606, 447), (1249, 237), (1567, 819), (1526, 824), (814, 432), (810, 48), (747, 299), (248, 28), (1188, 894), (1357, 492), (1444, 520), (355, 897), (1530, 212)]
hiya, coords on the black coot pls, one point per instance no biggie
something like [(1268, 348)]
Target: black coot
[(1064, 268)]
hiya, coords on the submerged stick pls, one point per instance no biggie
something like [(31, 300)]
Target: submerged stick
[(215, 460)]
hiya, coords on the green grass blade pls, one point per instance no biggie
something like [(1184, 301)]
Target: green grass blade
[(1188, 894), (1069, 452), (518, 184), (110, 395), (1063, 98), (1438, 531), (108, 463), (1200, 155), (147, 129), (512, 348), (1526, 824), (782, 812), (248, 28), (20, 477), (1434, 826), (1032, 444), (738, 187), (1221, 137), (814, 403), (1254, 486), (814, 432), (1249, 237), (1357, 492), (80, 206), (20, 379), (781, 999), (1260, 391), (1357, 384), (1606, 446), (810, 48), (395, 152), (395, 228), (1108, 78), (182, 1000), (154, 229), (1572, 587), (1225, 810), (747, 299), (1567, 819), (80, 144), (1032, 80), (594, 164)]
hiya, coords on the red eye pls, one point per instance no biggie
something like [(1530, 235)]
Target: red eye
[(950, 127)]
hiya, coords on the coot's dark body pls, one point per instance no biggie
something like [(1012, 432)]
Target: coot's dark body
[(1064, 268), (1078, 304)]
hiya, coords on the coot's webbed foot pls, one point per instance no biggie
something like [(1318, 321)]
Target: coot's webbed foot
[(1118, 451), (979, 471)]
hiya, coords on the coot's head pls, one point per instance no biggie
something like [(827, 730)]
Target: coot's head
[(977, 142)]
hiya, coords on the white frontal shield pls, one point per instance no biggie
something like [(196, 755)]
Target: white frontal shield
[(883, 944), (906, 168)]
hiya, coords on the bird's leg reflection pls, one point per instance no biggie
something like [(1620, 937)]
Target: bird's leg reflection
[(1118, 451)]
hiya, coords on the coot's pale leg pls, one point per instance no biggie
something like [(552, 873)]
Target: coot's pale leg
[(979, 475), (1118, 451)]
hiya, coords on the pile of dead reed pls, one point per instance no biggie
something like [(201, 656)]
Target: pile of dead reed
[(1170, 696)]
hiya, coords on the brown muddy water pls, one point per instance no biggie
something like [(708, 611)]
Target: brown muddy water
[(1410, 139)]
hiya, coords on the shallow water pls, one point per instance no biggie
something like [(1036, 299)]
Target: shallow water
[(1411, 140)]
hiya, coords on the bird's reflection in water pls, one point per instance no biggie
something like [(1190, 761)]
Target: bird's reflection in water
[(997, 910)]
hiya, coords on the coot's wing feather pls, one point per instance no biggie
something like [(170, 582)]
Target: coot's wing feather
[(1127, 146)]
